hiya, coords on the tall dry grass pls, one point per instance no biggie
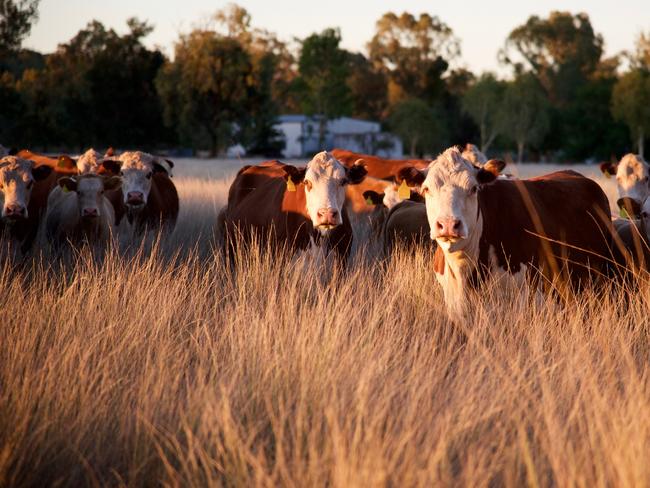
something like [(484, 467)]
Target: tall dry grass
[(167, 368)]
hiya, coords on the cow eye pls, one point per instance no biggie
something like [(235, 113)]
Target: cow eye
[(474, 189)]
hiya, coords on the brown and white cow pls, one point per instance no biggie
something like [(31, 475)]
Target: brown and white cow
[(632, 173), (634, 235), (78, 211), (23, 193), (381, 168), (557, 225), (383, 202), (148, 196), (294, 206)]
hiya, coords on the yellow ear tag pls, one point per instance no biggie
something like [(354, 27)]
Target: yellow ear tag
[(623, 213), (65, 189), (61, 162), (404, 192), (369, 201), (290, 184), (607, 175)]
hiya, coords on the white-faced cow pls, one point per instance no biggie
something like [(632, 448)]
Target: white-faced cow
[(632, 174), (79, 212), (294, 206), (149, 197), (23, 196), (558, 225), (634, 235)]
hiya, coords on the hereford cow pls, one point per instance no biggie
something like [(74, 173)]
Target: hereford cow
[(383, 169), (63, 165), (23, 194), (148, 196), (295, 206), (383, 202), (631, 176), (78, 211), (558, 225)]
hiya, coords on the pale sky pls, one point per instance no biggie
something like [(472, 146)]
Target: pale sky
[(482, 26)]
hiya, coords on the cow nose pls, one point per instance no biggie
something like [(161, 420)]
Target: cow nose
[(90, 212), (15, 210), (448, 227), (327, 216), (135, 197)]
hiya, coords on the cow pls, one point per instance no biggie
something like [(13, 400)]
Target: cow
[(632, 238), (23, 191), (474, 155), (148, 197), (63, 164), (632, 174), (556, 227), (383, 169), (78, 212), (292, 206), (382, 203)]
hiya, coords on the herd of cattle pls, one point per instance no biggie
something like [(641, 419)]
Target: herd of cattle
[(555, 228)]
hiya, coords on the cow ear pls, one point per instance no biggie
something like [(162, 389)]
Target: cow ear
[(410, 174), (111, 167), (162, 166), (372, 197), (608, 168), (490, 171), (296, 174), (416, 197), (67, 183), (41, 172), (631, 206), (356, 173), (112, 183)]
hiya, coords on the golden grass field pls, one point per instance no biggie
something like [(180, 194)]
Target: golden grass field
[(165, 368)]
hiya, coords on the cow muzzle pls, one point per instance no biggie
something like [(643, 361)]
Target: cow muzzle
[(135, 199), (327, 218), (89, 213), (14, 212), (448, 229)]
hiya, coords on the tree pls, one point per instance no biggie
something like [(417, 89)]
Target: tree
[(525, 112), (16, 19), (640, 58), (207, 90), (322, 73), (561, 51), (419, 126), (631, 104), (483, 104), (414, 52), (368, 88)]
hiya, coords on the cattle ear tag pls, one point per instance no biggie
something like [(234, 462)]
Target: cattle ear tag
[(623, 213), (61, 162), (65, 189), (404, 192), (369, 201), (291, 186), (607, 175)]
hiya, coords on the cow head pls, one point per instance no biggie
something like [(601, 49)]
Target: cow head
[(137, 169), (324, 180), (17, 177), (450, 190), (631, 176), (90, 192), (639, 211), (89, 162)]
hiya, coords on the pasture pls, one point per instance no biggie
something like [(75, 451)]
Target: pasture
[(167, 368)]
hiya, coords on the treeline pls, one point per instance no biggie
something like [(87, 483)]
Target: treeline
[(227, 82)]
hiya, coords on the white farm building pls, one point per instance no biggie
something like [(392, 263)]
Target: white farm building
[(301, 135)]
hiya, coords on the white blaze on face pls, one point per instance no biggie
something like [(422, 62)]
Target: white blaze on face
[(632, 177), (16, 184), (137, 171), (90, 192), (450, 191), (89, 162), (391, 197), (325, 181)]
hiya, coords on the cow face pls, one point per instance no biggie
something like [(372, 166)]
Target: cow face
[(89, 162), (324, 181), (17, 177), (137, 169), (450, 190), (90, 192), (631, 176), (639, 211)]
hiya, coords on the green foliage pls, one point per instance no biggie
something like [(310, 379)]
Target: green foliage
[(631, 104), (206, 90), (525, 112), (415, 53), (16, 19), (368, 88), (420, 126), (482, 102)]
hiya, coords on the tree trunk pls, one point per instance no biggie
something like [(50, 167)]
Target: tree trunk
[(520, 151), (414, 142), (640, 143)]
